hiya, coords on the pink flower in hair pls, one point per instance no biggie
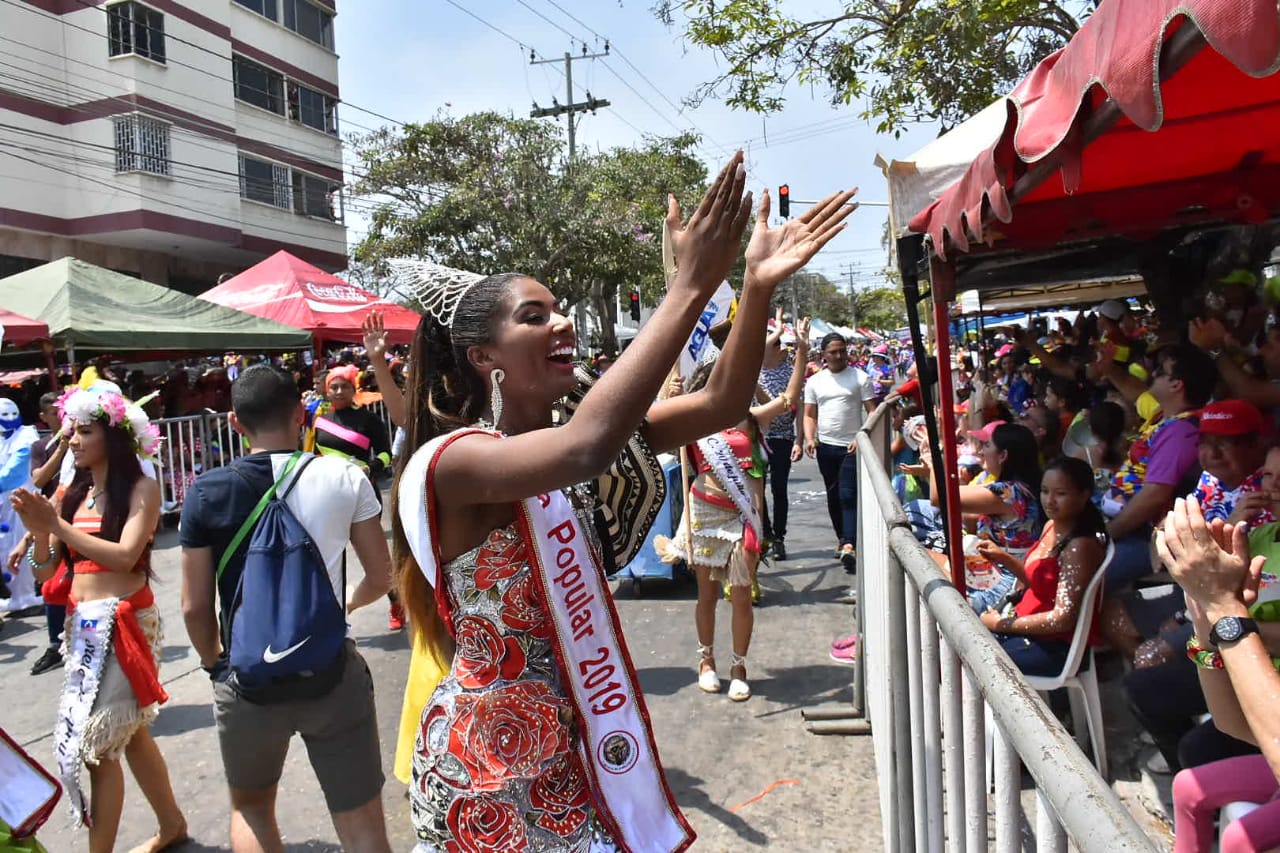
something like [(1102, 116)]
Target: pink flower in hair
[(114, 408)]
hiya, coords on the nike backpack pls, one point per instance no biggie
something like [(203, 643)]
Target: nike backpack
[(287, 626)]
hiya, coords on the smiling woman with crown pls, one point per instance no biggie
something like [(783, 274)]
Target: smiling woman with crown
[(538, 737), (94, 548)]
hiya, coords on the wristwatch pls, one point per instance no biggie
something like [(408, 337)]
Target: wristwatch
[(1231, 629)]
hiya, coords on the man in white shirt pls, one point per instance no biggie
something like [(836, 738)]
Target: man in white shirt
[(836, 399)]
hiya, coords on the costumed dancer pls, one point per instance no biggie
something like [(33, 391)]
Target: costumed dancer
[(721, 532), (15, 473), (95, 545), (339, 427), (538, 737)]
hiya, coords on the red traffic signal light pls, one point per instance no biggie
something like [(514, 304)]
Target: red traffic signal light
[(635, 305), (784, 201)]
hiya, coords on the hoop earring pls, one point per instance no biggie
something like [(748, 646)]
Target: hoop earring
[(495, 396)]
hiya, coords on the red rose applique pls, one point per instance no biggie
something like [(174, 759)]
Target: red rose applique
[(523, 609), (482, 825), (560, 795), (511, 732), (483, 654), (501, 557)]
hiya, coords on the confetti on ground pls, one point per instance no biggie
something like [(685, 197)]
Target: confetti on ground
[(763, 793)]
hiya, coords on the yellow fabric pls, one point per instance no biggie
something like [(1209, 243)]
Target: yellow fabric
[(425, 671), (1147, 406)]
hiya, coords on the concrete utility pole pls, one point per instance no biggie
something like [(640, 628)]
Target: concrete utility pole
[(569, 107), (853, 303)]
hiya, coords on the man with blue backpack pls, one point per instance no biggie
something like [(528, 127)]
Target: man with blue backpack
[(264, 539)]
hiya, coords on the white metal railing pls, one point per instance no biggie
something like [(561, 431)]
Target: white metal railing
[(195, 443), (934, 678)]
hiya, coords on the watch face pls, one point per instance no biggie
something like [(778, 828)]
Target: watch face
[(1228, 629)]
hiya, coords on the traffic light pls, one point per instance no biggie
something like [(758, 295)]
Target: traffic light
[(635, 305), (784, 201)]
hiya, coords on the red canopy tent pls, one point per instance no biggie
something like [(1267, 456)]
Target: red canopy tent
[(1088, 111), (19, 330), (291, 291), (1161, 117)]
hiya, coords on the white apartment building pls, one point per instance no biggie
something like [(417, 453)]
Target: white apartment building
[(176, 140)]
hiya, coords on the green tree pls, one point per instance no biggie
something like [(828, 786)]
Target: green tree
[(492, 193), (906, 60)]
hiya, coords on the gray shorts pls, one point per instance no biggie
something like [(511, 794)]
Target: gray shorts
[(340, 731)]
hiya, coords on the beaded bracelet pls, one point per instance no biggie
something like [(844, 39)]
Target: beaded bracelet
[(31, 558), (1208, 659), (1202, 657)]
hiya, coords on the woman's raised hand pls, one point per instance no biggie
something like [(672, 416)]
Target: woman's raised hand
[(775, 253), (707, 245), (802, 338)]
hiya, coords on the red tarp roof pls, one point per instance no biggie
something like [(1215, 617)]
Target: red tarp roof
[(1217, 156), (19, 330), (293, 292)]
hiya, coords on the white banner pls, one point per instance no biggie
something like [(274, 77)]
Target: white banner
[(699, 344)]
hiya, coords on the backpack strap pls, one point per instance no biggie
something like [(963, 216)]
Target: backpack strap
[(258, 510)]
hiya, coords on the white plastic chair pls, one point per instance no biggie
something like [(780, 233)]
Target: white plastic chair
[(1082, 687)]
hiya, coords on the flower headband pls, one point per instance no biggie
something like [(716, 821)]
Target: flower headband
[(86, 405)]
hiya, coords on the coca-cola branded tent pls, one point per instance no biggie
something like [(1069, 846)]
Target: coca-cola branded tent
[(293, 292)]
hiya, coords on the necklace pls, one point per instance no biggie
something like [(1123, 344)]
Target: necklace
[(93, 497)]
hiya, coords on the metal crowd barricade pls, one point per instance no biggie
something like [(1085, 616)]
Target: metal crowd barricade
[(934, 679), (193, 444), (196, 443)]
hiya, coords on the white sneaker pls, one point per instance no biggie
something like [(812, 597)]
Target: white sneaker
[(709, 682), (739, 690)]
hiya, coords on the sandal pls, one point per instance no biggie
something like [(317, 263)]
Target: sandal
[(708, 681), (739, 689)]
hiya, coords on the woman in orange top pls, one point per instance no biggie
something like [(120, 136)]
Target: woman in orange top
[(101, 532)]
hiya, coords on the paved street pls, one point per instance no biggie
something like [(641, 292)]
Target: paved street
[(719, 756)]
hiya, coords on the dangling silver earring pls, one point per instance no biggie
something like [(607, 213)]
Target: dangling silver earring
[(495, 396)]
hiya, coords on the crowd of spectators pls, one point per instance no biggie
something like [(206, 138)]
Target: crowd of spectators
[(1074, 443)]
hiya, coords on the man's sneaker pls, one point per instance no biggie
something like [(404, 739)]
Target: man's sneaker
[(849, 559), (849, 596), (51, 659), (845, 650), (396, 620), (779, 550)]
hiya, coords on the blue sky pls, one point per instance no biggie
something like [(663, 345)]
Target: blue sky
[(410, 59)]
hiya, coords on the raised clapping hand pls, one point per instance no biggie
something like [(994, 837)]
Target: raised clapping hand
[(707, 245), (375, 335), (802, 339), (1209, 560), (775, 253), (35, 510)]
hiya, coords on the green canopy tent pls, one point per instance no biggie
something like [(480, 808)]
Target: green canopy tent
[(91, 309)]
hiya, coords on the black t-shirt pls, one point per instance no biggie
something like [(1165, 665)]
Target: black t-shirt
[(41, 453), (215, 506)]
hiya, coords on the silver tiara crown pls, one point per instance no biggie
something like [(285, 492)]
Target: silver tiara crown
[(438, 289)]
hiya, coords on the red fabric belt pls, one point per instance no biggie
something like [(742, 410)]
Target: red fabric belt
[(750, 543), (132, 649)]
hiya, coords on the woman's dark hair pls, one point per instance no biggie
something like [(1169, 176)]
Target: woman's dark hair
[(698, 379), (1022, 462), (123, 473), (444, 392), (1090, 523), (1073, 393)]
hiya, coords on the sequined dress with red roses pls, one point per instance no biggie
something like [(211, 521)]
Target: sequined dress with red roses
[(497, 765)]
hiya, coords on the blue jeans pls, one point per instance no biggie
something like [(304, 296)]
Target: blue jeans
[(840, 475), (1132, 561), (982, 599), (1035, 655), (779, 471)]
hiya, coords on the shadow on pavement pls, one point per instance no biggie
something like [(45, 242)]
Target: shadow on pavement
[(802, 686), (388, 642), (690, 796), (178, 719), (194, 846)]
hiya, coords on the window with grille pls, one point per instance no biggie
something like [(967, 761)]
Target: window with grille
[(265, 8), (312, 108), (309, 21), (314, 196), (265, 182), (135, 29), (142, 145), (258, 85)]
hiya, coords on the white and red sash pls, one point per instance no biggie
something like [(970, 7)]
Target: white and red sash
[(88, 643), (618, 749), (726, 468)]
